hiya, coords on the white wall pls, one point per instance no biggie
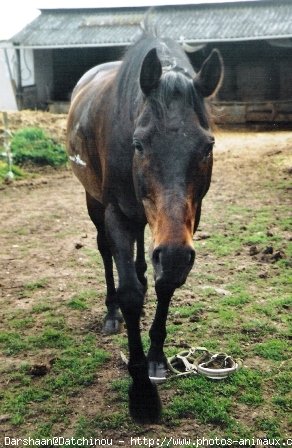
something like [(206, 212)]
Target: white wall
[(7, 97)]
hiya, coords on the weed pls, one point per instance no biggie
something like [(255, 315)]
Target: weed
[(282, 382), (22, 323), (206, 410), (18, 402), (12, 343), (283, 402), (258, 328), (77, 365), (188, 311), (56, 322), (44, 430), (17, 171), (275, 349), (101, 422), (41, 307), (222, 246), (80, 301), (269, 425), (121, 388), (34, 146), (77, 304), (32, 286), (50, 338), (237, 299)]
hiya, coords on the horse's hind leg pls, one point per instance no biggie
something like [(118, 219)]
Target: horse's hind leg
[(113, 318)]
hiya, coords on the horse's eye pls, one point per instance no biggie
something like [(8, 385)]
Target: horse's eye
[(138, 145)]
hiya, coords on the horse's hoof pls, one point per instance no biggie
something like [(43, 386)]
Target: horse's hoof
[(112, 324), (157, 372), (144, 403)]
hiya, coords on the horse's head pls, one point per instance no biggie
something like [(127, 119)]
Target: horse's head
[(173, 160)]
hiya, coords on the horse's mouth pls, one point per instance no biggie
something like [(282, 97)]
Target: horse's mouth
[(172, 265), (168, 280)]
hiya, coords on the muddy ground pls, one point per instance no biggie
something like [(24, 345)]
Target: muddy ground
[(46, 233)]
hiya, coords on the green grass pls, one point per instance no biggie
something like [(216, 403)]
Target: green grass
[(102, 422), (196, 400), (274, 349), (270, 426), (32, 286), (12, 343), (82, 300), (77, 366), (50, 338), (258, 328), (16, 170), (221, 245), (74, 368), (41, 307), (34, 146), (22, 323), (187, 311), (237, 298), (226, 305), (77, 304)]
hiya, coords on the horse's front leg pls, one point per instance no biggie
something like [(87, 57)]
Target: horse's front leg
[(144, 402), (157, 364)]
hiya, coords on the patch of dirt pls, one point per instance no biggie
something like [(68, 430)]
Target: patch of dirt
[(54, 124)]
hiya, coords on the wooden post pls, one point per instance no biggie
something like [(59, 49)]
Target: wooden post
[(7, 136)]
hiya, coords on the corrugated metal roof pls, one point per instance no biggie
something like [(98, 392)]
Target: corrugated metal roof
[(190, 23)]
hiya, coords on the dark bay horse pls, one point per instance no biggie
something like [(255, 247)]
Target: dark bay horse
[(140, 142)]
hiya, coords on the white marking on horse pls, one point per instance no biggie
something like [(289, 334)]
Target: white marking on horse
[(76, 159)]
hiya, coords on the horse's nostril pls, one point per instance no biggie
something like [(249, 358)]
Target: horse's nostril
[(191, 257), (156, 256)]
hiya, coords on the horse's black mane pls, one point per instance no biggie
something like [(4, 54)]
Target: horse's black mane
[(176, 80)]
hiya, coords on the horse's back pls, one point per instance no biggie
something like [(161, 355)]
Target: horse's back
[(86, 139), (94, 73)]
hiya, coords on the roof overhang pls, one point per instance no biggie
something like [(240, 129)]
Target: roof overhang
[(194, 24), (284, 41)]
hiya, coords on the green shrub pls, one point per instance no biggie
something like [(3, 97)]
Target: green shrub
[(34, 146)]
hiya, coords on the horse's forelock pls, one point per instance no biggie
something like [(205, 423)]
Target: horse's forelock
[(178, 85), (175, 84)]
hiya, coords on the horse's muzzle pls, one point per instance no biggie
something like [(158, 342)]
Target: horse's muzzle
[(172, 265)]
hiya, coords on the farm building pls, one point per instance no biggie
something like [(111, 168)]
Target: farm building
[(254, 38)]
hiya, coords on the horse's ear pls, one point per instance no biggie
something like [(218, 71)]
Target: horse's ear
[(151, 72), (209, 78)]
